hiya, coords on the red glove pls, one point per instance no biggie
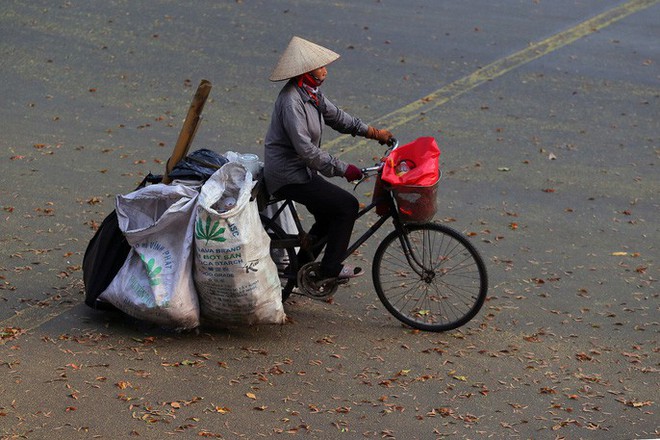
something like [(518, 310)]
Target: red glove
[(353, 173)]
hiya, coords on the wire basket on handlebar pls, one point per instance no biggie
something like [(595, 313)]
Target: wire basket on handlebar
[(416, 203), (411, 172)]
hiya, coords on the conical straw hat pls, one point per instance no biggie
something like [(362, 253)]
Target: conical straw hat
[(301, 56)]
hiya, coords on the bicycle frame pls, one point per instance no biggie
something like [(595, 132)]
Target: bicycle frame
[(392, 213), (399, 226)]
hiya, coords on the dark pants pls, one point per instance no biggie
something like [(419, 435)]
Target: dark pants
[(334, 210)]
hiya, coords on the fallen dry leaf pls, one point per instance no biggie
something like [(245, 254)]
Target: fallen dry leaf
[(122, 384)]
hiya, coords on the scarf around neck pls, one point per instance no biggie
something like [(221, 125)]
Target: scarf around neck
[(311, 85)]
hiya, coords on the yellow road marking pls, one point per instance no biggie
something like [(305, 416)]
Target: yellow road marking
[(496, 69)]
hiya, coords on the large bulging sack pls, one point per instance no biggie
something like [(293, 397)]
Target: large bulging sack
[(155, 283), (235, 276)]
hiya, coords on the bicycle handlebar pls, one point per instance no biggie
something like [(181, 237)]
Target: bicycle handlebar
[(393, 144)]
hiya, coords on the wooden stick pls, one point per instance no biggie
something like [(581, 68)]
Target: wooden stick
[(189, 128)]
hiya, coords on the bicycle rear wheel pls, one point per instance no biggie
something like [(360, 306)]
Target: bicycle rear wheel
[(283, 252), (445, 292)]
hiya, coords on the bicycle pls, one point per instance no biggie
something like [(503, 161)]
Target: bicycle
[(427, 275)]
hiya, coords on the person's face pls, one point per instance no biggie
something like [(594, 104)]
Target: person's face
[(320, 74)]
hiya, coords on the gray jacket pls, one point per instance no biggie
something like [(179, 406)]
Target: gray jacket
[(293, 141)]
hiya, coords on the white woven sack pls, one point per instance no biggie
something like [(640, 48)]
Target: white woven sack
[(236, 278), (155, 283)]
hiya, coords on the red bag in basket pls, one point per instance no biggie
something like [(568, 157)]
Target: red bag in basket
[(422, 157)]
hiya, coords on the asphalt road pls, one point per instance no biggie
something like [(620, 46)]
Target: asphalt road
[(547, 114)]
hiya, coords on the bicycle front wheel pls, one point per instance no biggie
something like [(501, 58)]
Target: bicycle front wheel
[(440, 285)]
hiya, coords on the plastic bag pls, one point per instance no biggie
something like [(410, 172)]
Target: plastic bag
[(199, 165), (155, 283), (236, 278), (420, 156), (285, 221), (250, 161)]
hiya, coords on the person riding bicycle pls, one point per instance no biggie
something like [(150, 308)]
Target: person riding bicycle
[(293, 157)]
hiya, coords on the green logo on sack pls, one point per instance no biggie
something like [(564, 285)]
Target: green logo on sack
[(207, 231), (152, 272)]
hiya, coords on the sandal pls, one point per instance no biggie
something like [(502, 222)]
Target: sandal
[(348, 271)]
